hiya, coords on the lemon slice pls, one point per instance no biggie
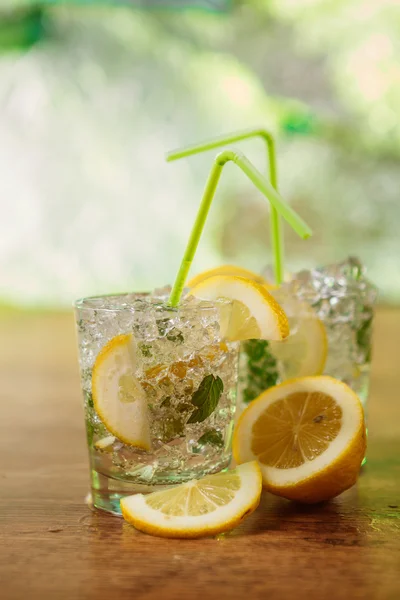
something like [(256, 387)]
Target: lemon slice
[(254, 313), (308, 436), (118, 397), (197, 508), (305, 350), (230, 270)]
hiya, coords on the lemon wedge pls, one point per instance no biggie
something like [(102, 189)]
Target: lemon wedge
[(254, 313), (230, 270), (198, 508), (118, 397), (308, 436)]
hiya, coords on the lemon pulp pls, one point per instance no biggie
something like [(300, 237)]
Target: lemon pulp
[(197, 498), (296, 429)]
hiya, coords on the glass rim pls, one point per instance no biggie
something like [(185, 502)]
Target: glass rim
[(156, 303)]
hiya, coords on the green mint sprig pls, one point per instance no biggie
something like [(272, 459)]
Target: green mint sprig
[(261, 369), (212, 437)]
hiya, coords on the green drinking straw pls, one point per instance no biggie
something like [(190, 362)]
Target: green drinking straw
[(261, 183), (276, 228)]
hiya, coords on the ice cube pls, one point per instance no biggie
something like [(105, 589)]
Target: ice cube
[(336, 283)]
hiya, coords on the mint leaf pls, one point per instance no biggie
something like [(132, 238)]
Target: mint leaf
[(213, 437), (89, 432), (146, 350), (173, 335), (261, 369), (162, 326), (89, 399), (206, 398), (363, 336)]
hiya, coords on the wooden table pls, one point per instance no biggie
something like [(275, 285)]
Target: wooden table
[(52, 546)]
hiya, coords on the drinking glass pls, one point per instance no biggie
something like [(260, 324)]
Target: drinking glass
[(159, 389)]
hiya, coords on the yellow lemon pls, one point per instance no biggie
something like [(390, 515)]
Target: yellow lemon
[(254, 313), (118, 397), (227, 270), (308, 436), (198, 508), (305, 350)]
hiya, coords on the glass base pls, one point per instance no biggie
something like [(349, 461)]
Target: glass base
[(110, 501), (106, 492)]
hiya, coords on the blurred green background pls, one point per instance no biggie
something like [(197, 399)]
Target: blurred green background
[(93, 95)]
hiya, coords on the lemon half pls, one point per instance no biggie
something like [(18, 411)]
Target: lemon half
[(307, 434)]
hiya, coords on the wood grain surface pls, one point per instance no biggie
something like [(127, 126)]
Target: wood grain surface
[(52, 546)]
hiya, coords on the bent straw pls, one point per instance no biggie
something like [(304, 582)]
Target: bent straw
[(276, 228), (261, 183)]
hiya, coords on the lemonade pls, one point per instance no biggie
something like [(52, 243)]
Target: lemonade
[(179, 379)]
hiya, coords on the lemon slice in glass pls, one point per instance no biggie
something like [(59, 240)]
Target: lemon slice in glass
[(118, 397), (305, 350)]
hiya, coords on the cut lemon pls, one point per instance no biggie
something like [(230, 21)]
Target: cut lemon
[(118, 397), (305, 350), (308, 436), (197, 508), (230, 270), (254, 313)]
